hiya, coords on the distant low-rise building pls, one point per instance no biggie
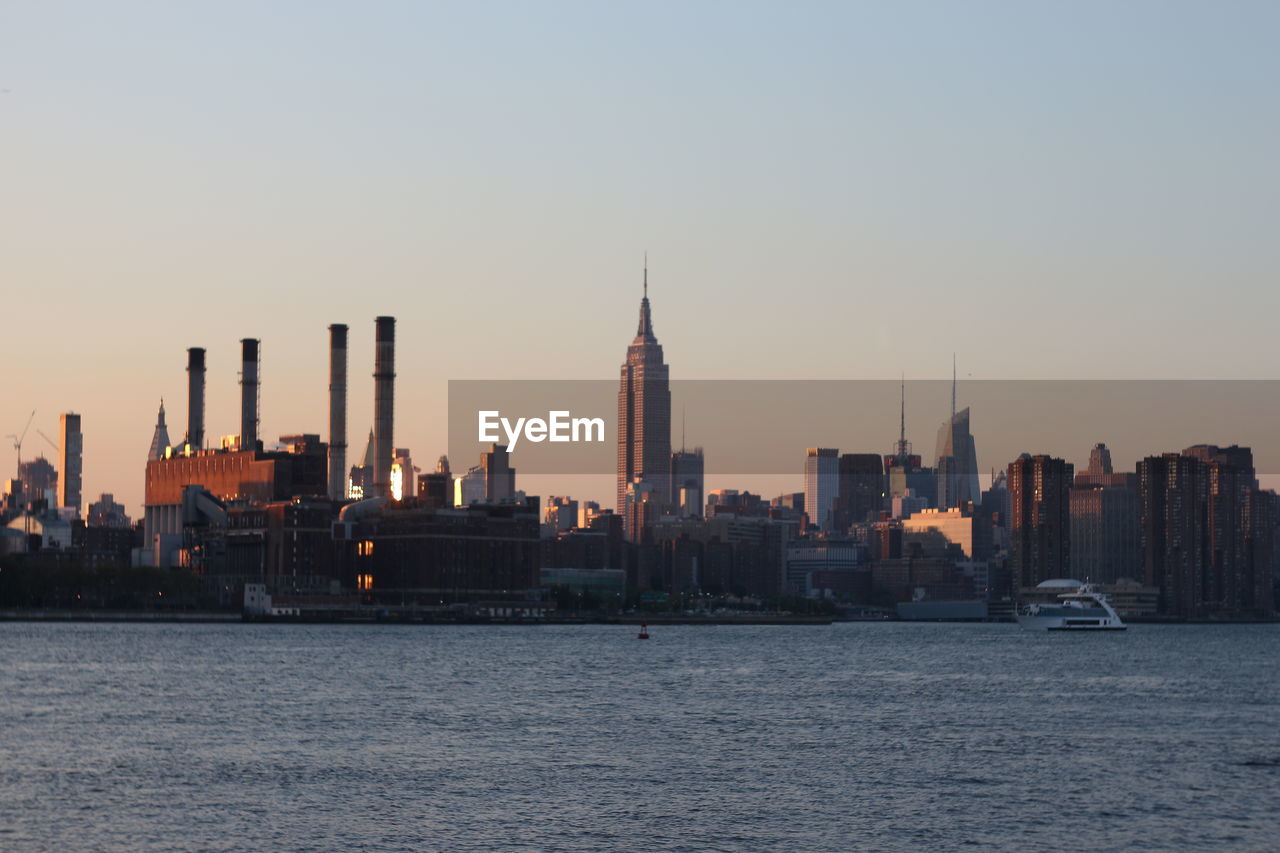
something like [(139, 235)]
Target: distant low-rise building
[(602, 583), (474, 555), (967, 530), (561, 514), (807, 556), (105, 512)]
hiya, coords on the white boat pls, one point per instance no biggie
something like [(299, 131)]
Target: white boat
[(1080, 608)]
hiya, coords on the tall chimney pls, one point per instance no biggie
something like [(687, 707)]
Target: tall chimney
[(249, 394), (384, 377), (195, 397), (337, 411)]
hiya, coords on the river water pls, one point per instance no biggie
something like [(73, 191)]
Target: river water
[(849, 737)]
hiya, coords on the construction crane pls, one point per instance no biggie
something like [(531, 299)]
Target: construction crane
[(52, 443), (17, 441)]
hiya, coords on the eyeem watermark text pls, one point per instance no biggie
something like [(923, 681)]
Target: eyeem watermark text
[(558, 426)]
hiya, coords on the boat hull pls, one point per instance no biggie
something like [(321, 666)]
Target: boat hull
[(1060, 623)]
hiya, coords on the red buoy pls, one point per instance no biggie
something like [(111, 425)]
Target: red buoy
[(644, 632)]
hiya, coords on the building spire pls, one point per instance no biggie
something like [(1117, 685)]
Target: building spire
[(903, 451), (953, 387), (644, 334), (160, 437), (902, 412)]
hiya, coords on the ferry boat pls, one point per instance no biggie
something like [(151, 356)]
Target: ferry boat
[(1080, 608)]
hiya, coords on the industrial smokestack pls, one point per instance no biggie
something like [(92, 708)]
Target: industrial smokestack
[(195, 397), (337, 411), (384, 377), (249, 394)]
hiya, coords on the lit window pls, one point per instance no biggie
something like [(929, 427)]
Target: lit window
[(397, 482)]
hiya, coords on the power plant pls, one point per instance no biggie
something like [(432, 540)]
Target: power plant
[(253, 522), (182, 483)]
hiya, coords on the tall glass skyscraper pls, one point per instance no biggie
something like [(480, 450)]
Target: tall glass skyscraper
[(644, 412), (821, 485), (957, 462)]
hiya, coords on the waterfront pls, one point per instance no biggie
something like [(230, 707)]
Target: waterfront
[(852, 736)]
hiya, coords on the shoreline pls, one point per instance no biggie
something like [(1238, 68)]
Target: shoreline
[(218, 617), (223, 617)]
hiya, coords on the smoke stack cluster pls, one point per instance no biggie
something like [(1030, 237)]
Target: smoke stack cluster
[(384, 377), (249, 394), (337, 411), (195, 397)]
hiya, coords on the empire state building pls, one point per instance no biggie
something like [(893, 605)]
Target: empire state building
[(644, 413)]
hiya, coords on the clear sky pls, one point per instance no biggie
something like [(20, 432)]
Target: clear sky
[(825, 190)]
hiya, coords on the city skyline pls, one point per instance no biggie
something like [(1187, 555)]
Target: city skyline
[(766, 480)]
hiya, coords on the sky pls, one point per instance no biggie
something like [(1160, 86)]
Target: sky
[(825, 190)]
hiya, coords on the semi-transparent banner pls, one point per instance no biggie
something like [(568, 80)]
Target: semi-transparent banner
[(747, 427)]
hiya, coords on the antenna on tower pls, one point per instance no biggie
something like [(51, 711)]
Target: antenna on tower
[(902, 410), (953, 386), (646, 273), (683, 410), (904, 447)]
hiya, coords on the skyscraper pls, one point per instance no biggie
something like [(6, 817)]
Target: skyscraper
[(1100, 472), (1240, 458), (1099, 460), (957, 457), (821, 484), (1208, 534), (1105, 544), (1172, 495), (72, 458), (957, 462), (644, 413), (860, 490), (687, 490), (499, 476), (37, 477), (1040, 522), (641, 509), (1260, 525), (905, 477), (1105, 541)]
